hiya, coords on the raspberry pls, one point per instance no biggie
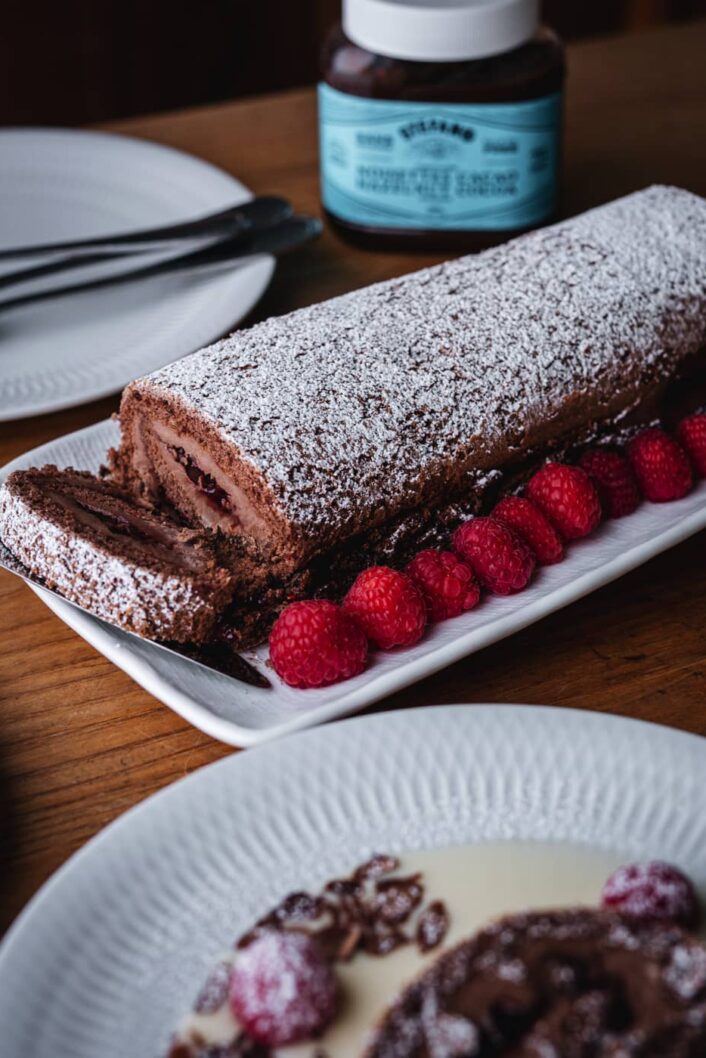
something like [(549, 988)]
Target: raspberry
[(692, 436), (567, 497), (530, 524), (501, 560), (282, 989), (652, 892), (314, 643), (661, 466), (447, 584), (613, 477), (389, 607)]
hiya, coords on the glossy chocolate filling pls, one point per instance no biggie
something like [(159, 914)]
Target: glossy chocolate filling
[(117, 524), (160, 542)]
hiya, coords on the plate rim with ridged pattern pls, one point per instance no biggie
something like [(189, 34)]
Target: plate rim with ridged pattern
[(111, 951), (67, 183)]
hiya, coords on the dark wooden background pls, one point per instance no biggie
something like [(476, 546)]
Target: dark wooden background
[(76, 61)]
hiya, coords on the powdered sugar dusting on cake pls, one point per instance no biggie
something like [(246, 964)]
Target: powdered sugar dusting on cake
[(156, 603), (369, 394), (686, 972)]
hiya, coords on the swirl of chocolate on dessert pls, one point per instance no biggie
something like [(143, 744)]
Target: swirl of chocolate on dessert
[(561, 984)]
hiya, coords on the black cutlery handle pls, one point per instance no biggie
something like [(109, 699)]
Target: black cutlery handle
[(275, 240), (261, 212)]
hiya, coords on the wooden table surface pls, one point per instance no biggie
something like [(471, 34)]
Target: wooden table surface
[(80, 743)]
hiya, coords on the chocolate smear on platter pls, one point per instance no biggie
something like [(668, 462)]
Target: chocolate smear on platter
[(223, 659)]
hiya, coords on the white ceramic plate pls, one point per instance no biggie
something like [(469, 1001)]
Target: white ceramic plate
[(105, 960), (56, 185), (243, 715)]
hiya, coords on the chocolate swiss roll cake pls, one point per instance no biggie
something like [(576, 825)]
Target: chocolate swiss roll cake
[(125, 564), (310, 435), (561, 984)]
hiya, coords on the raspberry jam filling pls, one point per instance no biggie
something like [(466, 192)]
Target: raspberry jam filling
[(206, 484)]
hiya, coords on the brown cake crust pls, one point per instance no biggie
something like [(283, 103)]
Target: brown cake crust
[(124, 564), (324, 425), (562, 984)]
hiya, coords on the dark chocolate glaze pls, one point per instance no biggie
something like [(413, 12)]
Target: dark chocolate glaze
[(222, 657)]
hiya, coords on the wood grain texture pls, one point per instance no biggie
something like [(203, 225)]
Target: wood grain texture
[(80, 743)]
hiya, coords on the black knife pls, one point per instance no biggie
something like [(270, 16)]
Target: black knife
[(260, 212), (276, 240)]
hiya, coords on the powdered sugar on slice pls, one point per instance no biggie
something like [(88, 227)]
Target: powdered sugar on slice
[(152, 602)]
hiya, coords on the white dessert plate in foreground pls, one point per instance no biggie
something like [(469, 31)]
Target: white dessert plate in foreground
[(114, 949), (57, 185), (242, 715)]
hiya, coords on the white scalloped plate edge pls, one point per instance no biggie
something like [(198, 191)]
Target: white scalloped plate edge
[(243, 716), (133, 920)]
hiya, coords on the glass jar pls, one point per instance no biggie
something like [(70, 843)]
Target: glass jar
[(440, 122)]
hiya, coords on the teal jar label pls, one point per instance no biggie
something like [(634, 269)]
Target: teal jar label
[(457, 166)]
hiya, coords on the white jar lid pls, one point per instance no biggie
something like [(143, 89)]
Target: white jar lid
[(440, 30)]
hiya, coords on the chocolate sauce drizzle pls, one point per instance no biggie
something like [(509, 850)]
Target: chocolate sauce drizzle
[(116, 523)]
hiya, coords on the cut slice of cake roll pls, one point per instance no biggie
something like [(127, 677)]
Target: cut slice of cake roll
[(138, 570), (573, 982), (324, 425)]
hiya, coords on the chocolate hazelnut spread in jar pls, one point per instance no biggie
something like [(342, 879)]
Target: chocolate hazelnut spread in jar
[(440, 122)]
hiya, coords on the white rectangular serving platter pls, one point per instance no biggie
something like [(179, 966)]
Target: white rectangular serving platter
[(241, 715)]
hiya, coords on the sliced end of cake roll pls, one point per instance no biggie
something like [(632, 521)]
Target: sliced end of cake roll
[(555, 983), (134, 568), (168, 453)]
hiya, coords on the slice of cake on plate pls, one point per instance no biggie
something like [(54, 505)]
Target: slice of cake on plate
[(124, 563)]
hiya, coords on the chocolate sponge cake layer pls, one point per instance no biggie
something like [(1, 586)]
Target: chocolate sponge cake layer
[(95, 546), (312, 429), (558, 984)]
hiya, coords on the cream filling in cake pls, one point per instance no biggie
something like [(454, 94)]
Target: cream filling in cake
[(193, 481), (477, 883)]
